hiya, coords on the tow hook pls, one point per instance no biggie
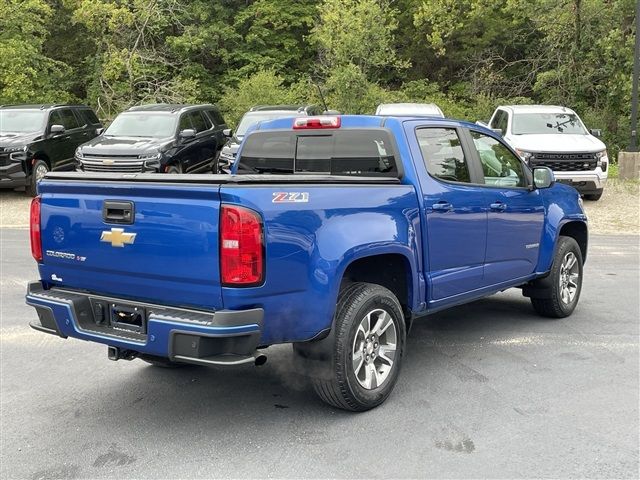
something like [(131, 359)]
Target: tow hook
[(115, 354)]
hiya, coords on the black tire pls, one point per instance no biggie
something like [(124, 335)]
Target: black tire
[(550, 302), (39, 168), (594, 197), (329, 363), (160, 362)]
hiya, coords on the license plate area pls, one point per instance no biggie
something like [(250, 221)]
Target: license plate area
[(128, 317)]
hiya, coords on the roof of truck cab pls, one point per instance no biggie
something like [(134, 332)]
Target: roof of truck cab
[(537, 108), (374, 121)]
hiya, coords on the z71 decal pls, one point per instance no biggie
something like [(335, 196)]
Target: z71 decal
[(290, 197)]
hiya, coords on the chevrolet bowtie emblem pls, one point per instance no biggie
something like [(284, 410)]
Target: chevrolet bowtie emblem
[(117, 237)]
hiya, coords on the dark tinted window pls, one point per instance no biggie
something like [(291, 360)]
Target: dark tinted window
[(68, 119), (342, 152), (88, 116), (443, 155), (185, 122), (199, 122), (216, 117)]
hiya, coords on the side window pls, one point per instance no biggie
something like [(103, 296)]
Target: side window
[(216, 117), (201, 121), (54, 119), (185, 122), (504, 119), (443, 155), (499, 166), (68, 119), (500, 121), (89, 116)]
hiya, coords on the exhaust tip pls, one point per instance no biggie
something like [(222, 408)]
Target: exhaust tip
[(261, 359)]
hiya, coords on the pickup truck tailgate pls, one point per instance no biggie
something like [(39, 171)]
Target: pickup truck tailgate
[(165, 249)]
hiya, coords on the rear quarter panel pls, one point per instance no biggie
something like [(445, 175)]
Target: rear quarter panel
[(310, 244)]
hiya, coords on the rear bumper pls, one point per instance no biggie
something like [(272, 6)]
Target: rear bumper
[(222, 337)]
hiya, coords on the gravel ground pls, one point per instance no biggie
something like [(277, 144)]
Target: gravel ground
[(617, 212)]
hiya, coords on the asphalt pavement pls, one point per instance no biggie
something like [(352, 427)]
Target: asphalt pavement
[(487, 390)]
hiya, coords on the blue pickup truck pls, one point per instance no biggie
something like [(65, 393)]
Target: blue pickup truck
[(334, 233)]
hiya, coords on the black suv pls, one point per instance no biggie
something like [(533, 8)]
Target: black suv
[(157, 138), (253, 116), (37, 138)]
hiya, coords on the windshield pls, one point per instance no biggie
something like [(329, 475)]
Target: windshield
[(21, 121), (543, 123), (254, 117), (145, 124)]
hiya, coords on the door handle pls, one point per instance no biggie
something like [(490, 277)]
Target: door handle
[(442, 207), (118, 212), (498, 206)]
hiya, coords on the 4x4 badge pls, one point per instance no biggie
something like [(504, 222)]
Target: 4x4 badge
[(117, 237)]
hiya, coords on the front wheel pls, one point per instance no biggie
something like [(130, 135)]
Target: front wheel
[(357, 365), (563, 285), (39, 170)]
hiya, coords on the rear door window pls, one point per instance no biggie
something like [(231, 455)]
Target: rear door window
[(88, 116), (443, 154), (340, 152)]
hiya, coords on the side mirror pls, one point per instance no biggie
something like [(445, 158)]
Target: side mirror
[(99, 131), (227, 132), (187, 133), (543, 177), (596, 132), (55, 129)]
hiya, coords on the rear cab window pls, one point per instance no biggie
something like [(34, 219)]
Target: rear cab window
[(358, 152)]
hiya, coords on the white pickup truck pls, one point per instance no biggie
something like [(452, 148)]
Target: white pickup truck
[(555, 137)]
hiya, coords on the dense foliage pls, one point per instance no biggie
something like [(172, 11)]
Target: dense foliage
[(465, 55)]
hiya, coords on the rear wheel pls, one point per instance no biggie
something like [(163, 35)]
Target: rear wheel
[(561, 289), (39, 170), (356, 367)]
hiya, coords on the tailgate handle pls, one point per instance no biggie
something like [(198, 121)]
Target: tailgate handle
[(118, 212)]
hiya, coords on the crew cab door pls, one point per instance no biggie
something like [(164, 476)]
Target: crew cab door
[(62, 146), (198, 152), (516, 211), (454, 240)]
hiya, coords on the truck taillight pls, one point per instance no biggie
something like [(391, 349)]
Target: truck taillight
[(34, 227), (241, 247)]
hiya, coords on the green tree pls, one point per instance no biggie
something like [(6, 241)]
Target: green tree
[(27, 74)]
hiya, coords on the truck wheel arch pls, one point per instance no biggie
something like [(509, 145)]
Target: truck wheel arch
[(578, 231), (390, 270)]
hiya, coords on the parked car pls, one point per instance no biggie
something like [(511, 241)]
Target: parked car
[(35, 139), (157, 138), (259, 114), (555, 137), (375, 224), (410, 109)]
